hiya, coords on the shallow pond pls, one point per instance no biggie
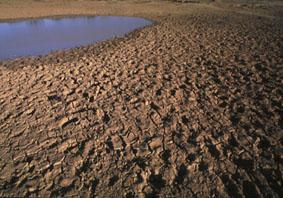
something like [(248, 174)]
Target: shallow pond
[(38, 37)]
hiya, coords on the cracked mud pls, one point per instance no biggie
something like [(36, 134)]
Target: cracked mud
[(191, 106)]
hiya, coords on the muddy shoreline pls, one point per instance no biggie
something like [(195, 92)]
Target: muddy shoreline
[(65, 16), (188, 107)]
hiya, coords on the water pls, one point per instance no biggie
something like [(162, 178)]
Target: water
[(38, 37)]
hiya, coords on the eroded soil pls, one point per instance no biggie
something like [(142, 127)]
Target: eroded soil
[(191, 106)]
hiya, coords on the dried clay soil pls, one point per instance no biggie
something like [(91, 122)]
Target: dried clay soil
[(190, 106)]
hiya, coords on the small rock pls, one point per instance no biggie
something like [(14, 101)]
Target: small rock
[(63, 147), (30, 111), (147, 103), (117, 142), (134, 100), (99, 113), (31, 190), (63, 122), (148, 190), (155, 143), (66, 182), (68, 92), (166, 77), (67, 145)]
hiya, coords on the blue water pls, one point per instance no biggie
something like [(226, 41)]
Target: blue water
[(38, 37)]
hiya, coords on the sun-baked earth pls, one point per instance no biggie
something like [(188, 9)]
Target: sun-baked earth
[(191, 106)]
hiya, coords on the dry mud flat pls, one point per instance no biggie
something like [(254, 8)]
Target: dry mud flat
[(191, 106)]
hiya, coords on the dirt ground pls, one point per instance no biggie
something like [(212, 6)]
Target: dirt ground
[(188, 107)]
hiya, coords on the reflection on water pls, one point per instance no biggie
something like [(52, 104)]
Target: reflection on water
[(35, 37)]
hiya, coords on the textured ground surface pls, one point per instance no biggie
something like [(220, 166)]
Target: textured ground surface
[(191, 106)]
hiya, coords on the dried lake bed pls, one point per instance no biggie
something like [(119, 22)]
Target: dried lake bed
[(188, 107)]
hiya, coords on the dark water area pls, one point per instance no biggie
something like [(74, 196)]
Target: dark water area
[(38, 37)]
